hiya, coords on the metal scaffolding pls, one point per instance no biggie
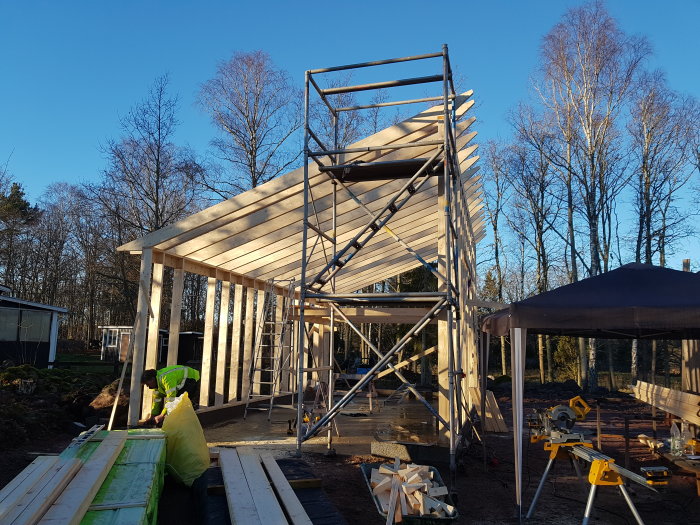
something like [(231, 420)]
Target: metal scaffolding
[(417, 164)]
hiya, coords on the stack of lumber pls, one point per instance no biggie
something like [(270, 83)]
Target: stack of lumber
[(681, 404), (257, 491), (494, 419), (66, 489), (409, 490)]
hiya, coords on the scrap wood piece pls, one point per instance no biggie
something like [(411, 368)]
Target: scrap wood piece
[(13, 492), (39, 498), (284, 491), (494, 419), (264, 498), (240, 501), (391, 511), (307, 483), (70, 507)]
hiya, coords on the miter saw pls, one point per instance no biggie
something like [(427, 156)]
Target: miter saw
[(553, 426), (556, 423)]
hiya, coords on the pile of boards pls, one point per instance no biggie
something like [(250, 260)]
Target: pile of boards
[(62, 489), (257, 491), (409, 490)]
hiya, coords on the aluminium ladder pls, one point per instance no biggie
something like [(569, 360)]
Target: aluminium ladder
[(273, 348)]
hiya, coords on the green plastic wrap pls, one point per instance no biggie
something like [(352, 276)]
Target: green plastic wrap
[(131, 492)]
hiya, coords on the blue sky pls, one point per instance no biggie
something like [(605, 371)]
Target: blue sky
[(68, 70)]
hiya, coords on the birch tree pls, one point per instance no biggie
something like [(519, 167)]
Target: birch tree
[(256, 109)]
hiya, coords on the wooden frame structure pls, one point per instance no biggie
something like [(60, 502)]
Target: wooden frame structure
[(348, 218)]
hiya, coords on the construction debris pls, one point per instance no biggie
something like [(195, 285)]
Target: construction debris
[(401, 489)]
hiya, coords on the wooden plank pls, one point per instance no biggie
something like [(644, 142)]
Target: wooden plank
[(207, 345), (393, 497), (153, 328), (682, 404), (175, 314), (494, 419), (495, 412), (310, 483), (73, 503), (235, 343), (285, 493), (264, 498), (287, 185), (241, 507), (259, 324), (136, 407), (222, 352), (39, 498), (408, 361), (247, 341), (278, 351), (14, 491)]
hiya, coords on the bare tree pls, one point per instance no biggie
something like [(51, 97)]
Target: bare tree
[(533, 182), (150, 182), (662, 127), (257, 110), (496, 178), (589, 70)]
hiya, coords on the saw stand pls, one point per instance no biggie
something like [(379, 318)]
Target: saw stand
[(557, 450), (601, 473)]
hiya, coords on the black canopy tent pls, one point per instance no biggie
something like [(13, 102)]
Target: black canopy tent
[(634, 301)]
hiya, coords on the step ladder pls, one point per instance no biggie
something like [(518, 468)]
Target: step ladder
[(399, 395), (273, 347)]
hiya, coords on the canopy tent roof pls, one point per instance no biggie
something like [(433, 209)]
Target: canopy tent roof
[(258, 234), (634, 301)]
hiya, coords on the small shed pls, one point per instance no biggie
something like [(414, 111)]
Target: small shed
[(115, 340), (28, 331)]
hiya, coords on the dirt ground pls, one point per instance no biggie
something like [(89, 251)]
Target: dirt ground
[(486, 497)]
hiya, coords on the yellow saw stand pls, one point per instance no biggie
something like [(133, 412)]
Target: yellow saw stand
[(603, 471)]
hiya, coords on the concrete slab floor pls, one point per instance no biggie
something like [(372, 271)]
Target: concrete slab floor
[(409, 421)]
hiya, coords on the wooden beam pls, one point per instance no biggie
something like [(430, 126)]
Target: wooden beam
[(257, 350), (207, 346), (682, 404), (241, 506), (283, 187), (175, 314), (277, 349), (247, 341), (139, 335), (222, 353), (368, 315), (153, 330), (407, 362), (444, 332), (73, 503), (235, 366)]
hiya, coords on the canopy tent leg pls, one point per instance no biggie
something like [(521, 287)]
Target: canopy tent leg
[(518, 338)]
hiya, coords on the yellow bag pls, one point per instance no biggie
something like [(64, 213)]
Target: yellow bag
[(187, 453)]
